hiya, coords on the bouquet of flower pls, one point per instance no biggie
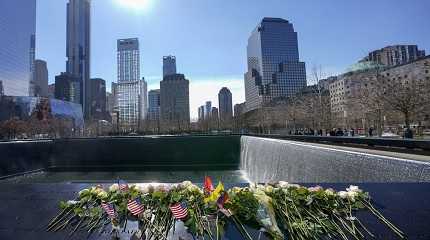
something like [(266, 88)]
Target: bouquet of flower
[(277, 209), (312, 213)]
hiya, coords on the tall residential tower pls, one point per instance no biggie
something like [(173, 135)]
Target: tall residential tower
[(132, 95), (78, 48)]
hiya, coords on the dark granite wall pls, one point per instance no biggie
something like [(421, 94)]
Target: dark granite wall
[(17, 157), (147, 153), (116, 154)]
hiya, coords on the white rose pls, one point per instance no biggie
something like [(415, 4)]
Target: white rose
[(352, 195), (343, 194), (269, 189), (260, 187), (353, 188), (315, 189), (114, 187), (71, 202), (186, 184), (283, 184), (294, 185)]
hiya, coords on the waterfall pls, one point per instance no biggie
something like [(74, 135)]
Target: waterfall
[(266, 160)]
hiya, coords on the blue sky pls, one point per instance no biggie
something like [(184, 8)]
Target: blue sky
[(209, 37)]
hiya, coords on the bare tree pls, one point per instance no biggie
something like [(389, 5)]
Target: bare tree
[(406, 96), (370, 100), (318, 100)]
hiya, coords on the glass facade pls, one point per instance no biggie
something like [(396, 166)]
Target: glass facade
[(78, 48), (38, 115), (17, 36), (154, 104), (68, 88), (274, 68), (40, 78), (128, 60), (130, 103), (175, 102), (225, 104), (169, 65), (98, 99)]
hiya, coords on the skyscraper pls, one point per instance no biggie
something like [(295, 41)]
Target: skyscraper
[(33, 84), (128, 58), (132, 91), (169, 65), (98, 99), (68, 88), (239, 109), (143, 99), (114, 90), (40, 78), (154, 105), (274, 69), (175, 102), (1, 89), (78, 48), (17, 35), (214, 114), (208, 109), (225, 103), (201, 112)]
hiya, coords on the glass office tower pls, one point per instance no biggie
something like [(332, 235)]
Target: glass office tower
[(274, 68), (17, 36)]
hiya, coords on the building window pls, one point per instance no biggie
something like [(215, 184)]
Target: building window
[(274, 78)]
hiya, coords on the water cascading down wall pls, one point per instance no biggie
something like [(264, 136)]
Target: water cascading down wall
[(266, 160)]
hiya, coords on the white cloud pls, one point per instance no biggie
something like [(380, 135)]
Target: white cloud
[(203, 89)]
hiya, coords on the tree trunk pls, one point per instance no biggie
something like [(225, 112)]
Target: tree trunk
[(380, 130), (407, 120)]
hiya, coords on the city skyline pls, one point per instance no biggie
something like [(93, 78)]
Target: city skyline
[(226, 60)]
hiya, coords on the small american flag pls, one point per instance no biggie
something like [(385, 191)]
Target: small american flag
[(109, 209), (135, 206), (179, 210), (123, 186)]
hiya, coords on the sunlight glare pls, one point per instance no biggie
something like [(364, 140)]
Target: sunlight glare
[(134, 4)]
